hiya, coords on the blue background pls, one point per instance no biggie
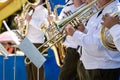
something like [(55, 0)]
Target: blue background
[(50, 67)]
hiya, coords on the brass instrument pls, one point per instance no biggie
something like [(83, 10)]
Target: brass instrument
[(55, 35), (55, 10), (59, 6), (23, 24), (54, 32), (58, 48), (106, 38), (79, 13), (48, 7)]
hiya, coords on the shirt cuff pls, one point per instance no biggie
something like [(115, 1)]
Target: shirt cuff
[(77, 34), (85, 31), (115, 31)]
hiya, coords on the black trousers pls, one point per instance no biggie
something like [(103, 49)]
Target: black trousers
[(32, 72), (104, 74), (69, 69), (82, 72), (32, 69)]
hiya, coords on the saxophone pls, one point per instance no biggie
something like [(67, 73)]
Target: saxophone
[(55, 10), (55, 35), (23, 23), (58, 48)]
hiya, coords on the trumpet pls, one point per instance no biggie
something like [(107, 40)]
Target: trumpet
[(55, 33), (59, 6)]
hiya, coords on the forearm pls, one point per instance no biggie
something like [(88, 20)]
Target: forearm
[(85, 40)]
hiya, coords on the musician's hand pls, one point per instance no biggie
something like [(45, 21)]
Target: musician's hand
[(81, 27), (28, 18), (69, 30), (109, 21), (16, 19), (51, 18)]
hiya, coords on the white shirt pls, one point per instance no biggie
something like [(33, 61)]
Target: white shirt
[(115, 32), (94, 55), (35, 34), (69, 41)]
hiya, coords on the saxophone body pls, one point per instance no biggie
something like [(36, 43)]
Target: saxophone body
[(54, 32), (23, 23), (49, 32)]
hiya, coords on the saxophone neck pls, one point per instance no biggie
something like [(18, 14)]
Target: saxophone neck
[(48, 7), (55, 10)]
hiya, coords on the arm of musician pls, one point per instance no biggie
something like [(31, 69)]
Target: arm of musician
[(115, 32), (87, 41), (18, 19), (51, 18), (82, 28), (28, 18), (112, 23)]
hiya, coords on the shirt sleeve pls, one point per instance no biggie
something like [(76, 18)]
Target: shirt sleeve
[(79, 36), (115, 32), (38, 19), (87, 41)]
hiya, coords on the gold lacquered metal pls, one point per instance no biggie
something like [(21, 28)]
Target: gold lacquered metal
[(55, 35), (106, 38), (23, 24)]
